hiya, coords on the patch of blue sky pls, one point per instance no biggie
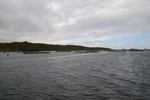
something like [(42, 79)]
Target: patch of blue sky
[(140, 41)]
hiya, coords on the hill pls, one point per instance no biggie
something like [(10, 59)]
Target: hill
[(28, 46)]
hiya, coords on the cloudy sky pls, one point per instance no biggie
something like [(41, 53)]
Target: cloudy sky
[(102, 23)]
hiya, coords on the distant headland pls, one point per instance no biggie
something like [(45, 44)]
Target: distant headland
[(28, 46)]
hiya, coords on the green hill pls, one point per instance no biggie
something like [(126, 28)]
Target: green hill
[(28, 46)]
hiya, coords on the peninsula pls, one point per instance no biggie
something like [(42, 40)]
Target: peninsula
[(28, 46)]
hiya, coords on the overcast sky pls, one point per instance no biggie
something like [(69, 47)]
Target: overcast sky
[(102, 23)]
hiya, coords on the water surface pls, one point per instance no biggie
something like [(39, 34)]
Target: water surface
[(73, 76)]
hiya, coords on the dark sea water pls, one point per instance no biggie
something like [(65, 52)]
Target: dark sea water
[(73, 76)]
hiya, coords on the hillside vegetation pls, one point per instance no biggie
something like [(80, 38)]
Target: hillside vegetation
[(28, 46)]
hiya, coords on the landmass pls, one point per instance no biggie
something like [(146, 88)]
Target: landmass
[(28, 46)]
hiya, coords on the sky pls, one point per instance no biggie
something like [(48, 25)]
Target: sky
[(95, 23)]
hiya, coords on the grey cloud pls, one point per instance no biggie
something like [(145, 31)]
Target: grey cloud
[(25, 16), (64, 21), (114, 18)]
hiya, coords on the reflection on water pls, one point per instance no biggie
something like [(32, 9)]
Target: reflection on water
[(72, 76)]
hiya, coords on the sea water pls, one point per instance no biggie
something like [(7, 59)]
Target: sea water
[(75, 76)]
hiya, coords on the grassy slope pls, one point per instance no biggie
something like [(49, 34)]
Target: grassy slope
[(27, 46)]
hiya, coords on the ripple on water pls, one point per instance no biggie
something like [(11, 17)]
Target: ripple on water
[(62, 76)]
